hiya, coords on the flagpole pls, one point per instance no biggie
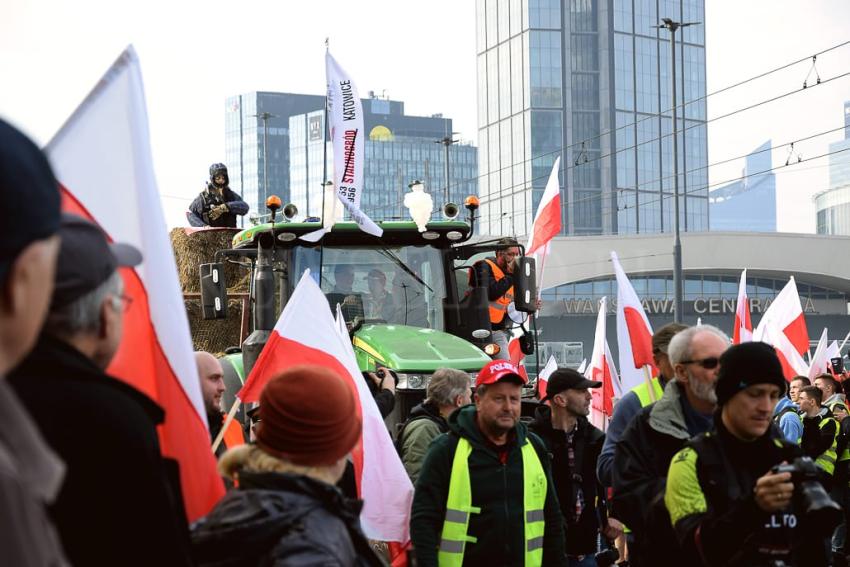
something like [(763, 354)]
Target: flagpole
[(230, 415), (647, 375), (325, 139)]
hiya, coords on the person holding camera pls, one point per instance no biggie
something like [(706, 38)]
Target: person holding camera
[(733, 498)]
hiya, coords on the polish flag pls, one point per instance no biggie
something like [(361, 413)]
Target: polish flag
[(792, 363), (786, 313), (634, 333), (382, 482), (820, 360), (601, 369), (515, 353), (547, 220), (102, 160), (543, 378), (743, 331)]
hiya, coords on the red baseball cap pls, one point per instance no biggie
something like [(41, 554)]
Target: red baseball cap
[(496, 371)]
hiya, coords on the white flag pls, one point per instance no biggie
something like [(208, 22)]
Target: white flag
[(348, 135)]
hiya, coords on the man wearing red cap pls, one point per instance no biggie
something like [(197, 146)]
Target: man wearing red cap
[(485, 494)]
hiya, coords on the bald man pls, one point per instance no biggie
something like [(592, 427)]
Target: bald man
[(211, 376)]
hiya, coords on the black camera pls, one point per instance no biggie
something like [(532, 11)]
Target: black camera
[(607, 557), (810, 500)]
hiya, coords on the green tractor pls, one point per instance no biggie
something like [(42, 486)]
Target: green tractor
[(405, 296)]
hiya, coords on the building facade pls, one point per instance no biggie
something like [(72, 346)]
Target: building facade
[(833, 205), (399, 149), (579, 273), (589, 80), (749, 203), (250, 140)]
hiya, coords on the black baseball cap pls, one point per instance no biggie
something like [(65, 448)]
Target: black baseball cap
[(86, 259), (29, 195), (567, 379)]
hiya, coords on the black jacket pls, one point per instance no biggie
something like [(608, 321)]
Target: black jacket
[(717, 521), (282, 519), (199, 209), (496, 488), (641, 461), (120, 503), (582, 532)]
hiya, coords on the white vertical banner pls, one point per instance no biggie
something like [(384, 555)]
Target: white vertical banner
[(345, 115)]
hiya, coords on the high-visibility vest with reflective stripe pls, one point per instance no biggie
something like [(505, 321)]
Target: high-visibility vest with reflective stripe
[(459, 506), (826, 460), (499, 307), (642, 392)]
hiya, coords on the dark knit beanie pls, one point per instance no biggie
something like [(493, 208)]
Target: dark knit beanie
[(746, 364), (308, 416)]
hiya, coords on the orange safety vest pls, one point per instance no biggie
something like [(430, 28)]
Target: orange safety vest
[(499, 307), (233, 435)]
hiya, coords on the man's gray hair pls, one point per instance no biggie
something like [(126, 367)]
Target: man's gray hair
[(680, 345), (446, 385), (83, 314)]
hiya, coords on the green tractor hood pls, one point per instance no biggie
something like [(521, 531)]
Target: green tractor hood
[(412, 349)]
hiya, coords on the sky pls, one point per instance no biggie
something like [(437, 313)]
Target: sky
[(195, 54)]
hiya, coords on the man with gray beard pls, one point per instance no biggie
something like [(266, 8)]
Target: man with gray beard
[(643, 455)]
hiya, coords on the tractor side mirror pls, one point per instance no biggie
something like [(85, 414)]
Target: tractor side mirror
[(213, 291), (525, 285)]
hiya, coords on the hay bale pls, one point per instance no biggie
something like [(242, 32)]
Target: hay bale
[(199, 247), (214, 335)]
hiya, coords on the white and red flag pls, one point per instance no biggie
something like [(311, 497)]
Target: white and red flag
[(547, 223), (601, 369), (634, 333), (102, 160), (786, 314), (543, 377), (743, 331), (820, 360), (792, 363), (306, 333)]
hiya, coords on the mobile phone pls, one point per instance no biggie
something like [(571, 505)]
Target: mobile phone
[(837, 364)]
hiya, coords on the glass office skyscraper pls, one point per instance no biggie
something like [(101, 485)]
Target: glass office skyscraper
[(245, 132), (833, 205), (589, 80)]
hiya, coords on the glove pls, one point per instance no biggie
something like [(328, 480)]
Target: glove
[(217, 211)]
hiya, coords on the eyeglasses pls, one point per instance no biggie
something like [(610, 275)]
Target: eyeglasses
[(707, 363)]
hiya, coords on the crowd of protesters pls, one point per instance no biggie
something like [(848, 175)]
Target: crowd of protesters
[(717, 460)]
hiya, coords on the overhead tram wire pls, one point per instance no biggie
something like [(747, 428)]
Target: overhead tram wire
[(664, 114), (666, 177), (693, 192)]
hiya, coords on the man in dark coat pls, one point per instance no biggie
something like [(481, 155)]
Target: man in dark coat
[(643, 455), (120, 502), (217, 205), (575, 444)]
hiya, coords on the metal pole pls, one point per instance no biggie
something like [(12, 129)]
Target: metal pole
[(677, 243), (446, 199), (265, 156)]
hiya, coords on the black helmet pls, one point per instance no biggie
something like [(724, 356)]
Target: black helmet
[(218, 168)]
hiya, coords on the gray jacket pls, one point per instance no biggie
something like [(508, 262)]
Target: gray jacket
[(30, 477)]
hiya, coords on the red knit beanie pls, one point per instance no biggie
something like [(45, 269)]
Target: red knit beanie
[(308, 415)]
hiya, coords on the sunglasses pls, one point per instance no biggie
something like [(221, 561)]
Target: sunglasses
[(707, 363)]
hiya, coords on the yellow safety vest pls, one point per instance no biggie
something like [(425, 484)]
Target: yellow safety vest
[(642, 392), (459, 506), (826, 460)]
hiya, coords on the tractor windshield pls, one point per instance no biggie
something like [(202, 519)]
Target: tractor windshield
[(402, 285)]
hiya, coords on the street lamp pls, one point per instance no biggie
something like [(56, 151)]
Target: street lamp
[(264, 116), (447, 141), (672, 26)]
